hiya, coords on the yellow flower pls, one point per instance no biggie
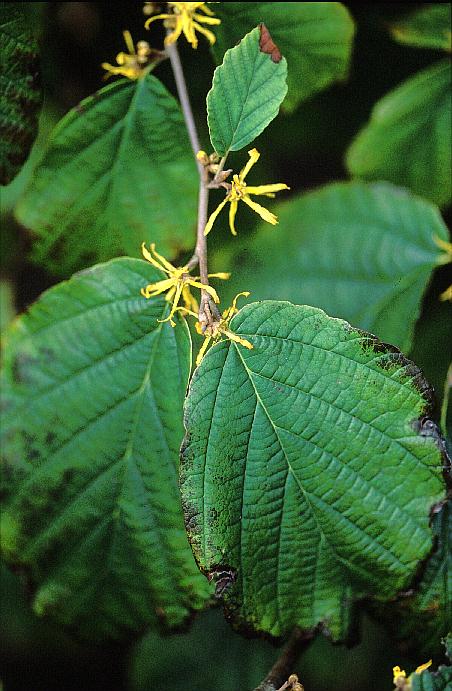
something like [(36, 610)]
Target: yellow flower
[(400, 679), (186, 19), (398, 675), (131, 64), (422, 668), (240, 191), (221, 328), (177, 285)]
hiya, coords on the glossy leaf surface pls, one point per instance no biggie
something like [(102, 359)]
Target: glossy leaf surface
[(308, 469), (247, 90), (92, 389)]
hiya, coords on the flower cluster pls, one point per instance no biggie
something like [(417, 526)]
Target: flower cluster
[(177, 284), (132, 64), (240, 191), (400, 679), (185, 18), (214, 332)]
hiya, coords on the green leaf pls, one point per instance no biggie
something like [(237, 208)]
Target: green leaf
[(246, 93), (428, 27), (315, 37), (118, 171), (7, 303), (433, 681), (408, 137), (446, 410), (308, 469), (448, 645), (420, 620), (93, 386), (20, 91), (362, 252)]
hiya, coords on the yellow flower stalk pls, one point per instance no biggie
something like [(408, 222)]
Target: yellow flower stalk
[(400, 679), (131, 64), (215, 331), (177, 284), (240, 191), (185, 18)]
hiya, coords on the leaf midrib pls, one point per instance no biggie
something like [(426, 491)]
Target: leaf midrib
[(60, 521), (340, 559)]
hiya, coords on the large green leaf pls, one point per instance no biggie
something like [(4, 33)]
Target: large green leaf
[(428, 27), (308, 469), (424, 617), (20, 92), (408, 137), (92, 389), (446, 411), (315, 37), (247, 90), (118, 171), (363, 252)]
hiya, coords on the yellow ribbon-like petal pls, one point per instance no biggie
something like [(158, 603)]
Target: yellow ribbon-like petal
[(154, 289), (221, 274), (254, 157), (129, 42), (423, 667), (232, 212), (233, 337), (154, 19), (157, 260), (202, 350), (213, 216), (176, 299), (268, 190), (212, 292), (205, 32), (264, 213)]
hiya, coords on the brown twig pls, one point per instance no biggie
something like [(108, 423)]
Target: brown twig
[(208, 311), (278, 677)]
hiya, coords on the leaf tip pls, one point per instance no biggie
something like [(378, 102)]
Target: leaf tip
[(267, 45)]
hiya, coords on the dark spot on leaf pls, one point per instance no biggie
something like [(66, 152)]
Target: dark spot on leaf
[(50, 438), (5, 404), (267, 45), (20, 368), (224, 577), (48, 354), (57, 250), (190, 517), (68, 475)]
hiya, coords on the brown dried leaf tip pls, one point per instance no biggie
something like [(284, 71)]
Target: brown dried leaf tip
[(267, 45)]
